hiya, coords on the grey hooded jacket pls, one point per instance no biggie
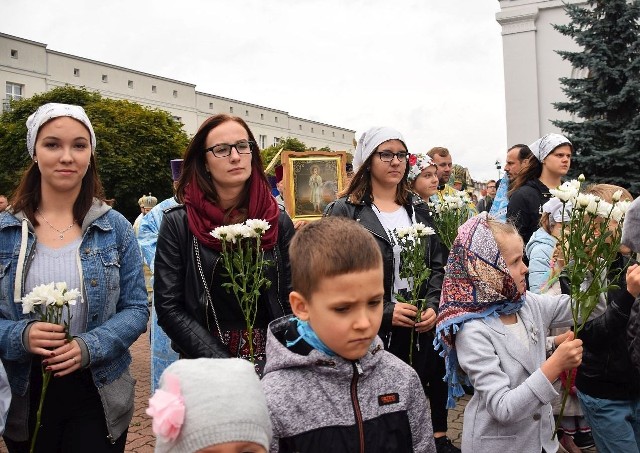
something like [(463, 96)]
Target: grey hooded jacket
[(320, 403)]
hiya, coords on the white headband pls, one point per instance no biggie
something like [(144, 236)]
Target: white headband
[(370, 140), (50, 111), (542, 147)]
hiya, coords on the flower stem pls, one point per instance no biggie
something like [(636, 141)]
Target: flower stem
[(46, 377), (565, 396)]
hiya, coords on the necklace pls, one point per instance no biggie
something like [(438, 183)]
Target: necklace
[(60, 232)]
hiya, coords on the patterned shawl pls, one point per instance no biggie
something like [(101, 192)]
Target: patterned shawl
[(476, 284)]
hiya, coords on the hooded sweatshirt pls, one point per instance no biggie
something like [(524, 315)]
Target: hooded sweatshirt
[(539, 250), (320, 403)]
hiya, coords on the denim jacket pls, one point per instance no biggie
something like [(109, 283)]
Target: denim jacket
[(113, 287)]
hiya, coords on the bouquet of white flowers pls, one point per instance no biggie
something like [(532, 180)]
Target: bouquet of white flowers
[(52, 302), (414, 241), (450, 213), (244, 262), (589, 243)]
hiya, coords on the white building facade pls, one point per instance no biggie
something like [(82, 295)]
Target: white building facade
[(28, 67), (532, 67)]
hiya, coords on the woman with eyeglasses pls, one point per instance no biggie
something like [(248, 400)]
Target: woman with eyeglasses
[(379, 197), (222, 183)]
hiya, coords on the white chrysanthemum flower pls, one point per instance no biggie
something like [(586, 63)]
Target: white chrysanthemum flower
[(617, 214), (402, 232), (581, 178), (222, 233), (564, 193), (623, 206), (61, 286), (592, 207), (574, 184), (616, 196), (583, 199), (258, 225), (604, 209)]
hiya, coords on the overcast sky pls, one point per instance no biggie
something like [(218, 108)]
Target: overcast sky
[(430, 68)]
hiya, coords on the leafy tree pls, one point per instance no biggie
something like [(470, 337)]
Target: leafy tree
[(134, 145), (288, 144), (606, 103)]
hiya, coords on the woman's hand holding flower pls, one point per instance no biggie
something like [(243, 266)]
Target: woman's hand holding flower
[(45, 336), (428, 321), (66, 360), (404, 315)]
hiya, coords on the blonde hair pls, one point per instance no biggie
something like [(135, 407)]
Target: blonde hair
[(501, 231), (606, 191)]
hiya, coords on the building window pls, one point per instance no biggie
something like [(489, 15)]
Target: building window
[(276, 119), (299, 127), (175, 93), (76, 72), (14, 91), (177, 118), (276, 141), (322, 131), (333, 134), (342, 135), (312, 130), (262, 116), (230, 109), (210, 105), (154, 89), (130, 83), (246, 113), (105, 79), (14, 53), (262, 141)]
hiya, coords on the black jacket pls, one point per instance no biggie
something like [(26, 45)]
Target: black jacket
[(179, 293), (364, 214), (606, 371), (525, 207)]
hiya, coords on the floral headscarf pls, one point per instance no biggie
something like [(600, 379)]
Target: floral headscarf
[(477, 284), (417, 163)]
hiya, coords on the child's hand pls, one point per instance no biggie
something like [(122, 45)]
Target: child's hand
[(427, 321), (633, 280), (567, 356), (559, 339), (404, 315)]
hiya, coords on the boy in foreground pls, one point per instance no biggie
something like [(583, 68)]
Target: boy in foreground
[(330, 385)]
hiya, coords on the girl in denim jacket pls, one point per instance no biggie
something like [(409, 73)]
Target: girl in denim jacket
[(60, 230)]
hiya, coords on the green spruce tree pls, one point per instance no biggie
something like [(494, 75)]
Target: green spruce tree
[(605, 104)]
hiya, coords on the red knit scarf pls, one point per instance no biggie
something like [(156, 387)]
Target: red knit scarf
[(203, 215)]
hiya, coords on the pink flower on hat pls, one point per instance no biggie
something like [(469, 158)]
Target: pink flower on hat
[(166, 407)]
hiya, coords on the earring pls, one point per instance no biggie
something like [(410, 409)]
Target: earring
[(35, 161)]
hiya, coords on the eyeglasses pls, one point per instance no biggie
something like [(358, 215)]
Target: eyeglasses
[(224, 149), (387, 156), (491, 187)]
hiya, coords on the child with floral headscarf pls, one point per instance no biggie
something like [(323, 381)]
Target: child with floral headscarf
[(492, 333)]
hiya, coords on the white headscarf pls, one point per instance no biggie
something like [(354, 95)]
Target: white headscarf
[(542, 147), (50, 111), (370, 140), (554, 208)]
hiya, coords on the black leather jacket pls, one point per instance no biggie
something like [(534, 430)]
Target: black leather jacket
[(179, 293), (633, 335), (364, 214)]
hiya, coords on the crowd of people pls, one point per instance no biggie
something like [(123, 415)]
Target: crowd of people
[(337, 357)]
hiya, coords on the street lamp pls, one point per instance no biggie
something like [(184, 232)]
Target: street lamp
[(498, 167)]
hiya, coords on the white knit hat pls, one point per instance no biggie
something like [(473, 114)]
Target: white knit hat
[(221, 401), (53, 110), (370, 140)]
